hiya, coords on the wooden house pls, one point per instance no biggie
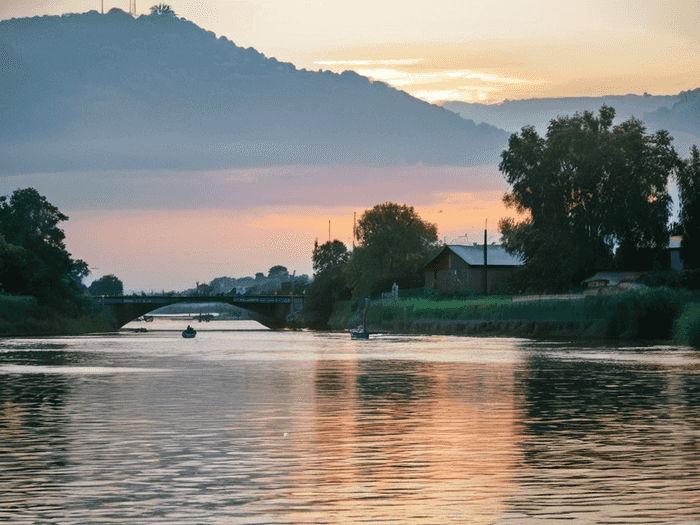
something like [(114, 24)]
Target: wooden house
[(458, 266)]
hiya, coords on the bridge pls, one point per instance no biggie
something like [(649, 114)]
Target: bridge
[(273, 311)]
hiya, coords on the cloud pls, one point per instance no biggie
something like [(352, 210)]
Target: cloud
[(392, 61), (417, 83)]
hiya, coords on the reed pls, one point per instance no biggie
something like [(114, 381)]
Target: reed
[(686, 329), (647, 313)]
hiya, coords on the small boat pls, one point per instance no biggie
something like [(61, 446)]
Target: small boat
[(356, 334), (189, 333), (361, 331)]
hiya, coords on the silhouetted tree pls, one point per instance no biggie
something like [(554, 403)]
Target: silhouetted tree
[(107, 285), (162, 10), (329, 257), (593, 194), (277, 271), (330, 283), (29, 225), (689, 191), (395, 243)]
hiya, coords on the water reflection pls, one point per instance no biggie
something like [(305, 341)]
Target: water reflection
[(608, 440), (275, 427), (33, 440), (411, 442)]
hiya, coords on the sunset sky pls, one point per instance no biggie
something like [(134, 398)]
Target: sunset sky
[(154, 237), (457, 50)]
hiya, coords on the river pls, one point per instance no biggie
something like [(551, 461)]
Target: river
[(251, 426)]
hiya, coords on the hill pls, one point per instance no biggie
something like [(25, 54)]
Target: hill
[(93, 91), (683, 116), (679, 114)]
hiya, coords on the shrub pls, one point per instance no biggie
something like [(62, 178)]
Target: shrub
[(686, 329)]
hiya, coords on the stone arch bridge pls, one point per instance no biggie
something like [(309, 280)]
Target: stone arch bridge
[(273, 311)]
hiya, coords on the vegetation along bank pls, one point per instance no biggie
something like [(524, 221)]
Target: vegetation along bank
[(658, 313)]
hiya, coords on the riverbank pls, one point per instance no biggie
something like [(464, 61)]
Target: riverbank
[(652, 314), (24, 316)]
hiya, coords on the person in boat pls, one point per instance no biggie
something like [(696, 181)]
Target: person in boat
[(189, 329)]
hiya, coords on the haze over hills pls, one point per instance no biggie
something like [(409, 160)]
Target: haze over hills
[(92, 91), (678, 114)]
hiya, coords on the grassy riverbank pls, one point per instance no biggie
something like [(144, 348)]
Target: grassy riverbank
[(653, 313), (25, 316)]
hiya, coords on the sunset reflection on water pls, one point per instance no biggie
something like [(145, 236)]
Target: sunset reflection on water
[(258, 426)]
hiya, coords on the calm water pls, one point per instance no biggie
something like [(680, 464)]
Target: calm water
[(254, 426)]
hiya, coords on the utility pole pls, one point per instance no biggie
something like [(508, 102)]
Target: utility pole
[(354, 229), (329, 231), (486, 279)]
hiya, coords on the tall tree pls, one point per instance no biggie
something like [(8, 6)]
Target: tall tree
[(277, 271), (593, 195), (689, 190), (329, 257), (109, 285), (394, 244), (29, 221), (330, 283)]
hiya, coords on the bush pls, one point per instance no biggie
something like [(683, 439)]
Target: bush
[(686, 329)]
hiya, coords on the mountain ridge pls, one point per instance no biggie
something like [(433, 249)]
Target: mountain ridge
[(678, 114), (112, 91)]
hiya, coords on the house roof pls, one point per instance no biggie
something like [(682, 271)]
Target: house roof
[(614, 278), (474, 255)]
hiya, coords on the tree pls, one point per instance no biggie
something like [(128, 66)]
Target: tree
[(394, 245), (688, 179), (107, 285), (593, 195), (277, 271), (29, 221), (13, 264), (329, 257), (330, 283), (162, 10)]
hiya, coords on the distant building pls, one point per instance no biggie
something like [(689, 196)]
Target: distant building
[(611, 282), (459, 266), (674, 250)]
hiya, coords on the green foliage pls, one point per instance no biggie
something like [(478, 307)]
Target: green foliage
[(329, 257), (593, 194), (15, 306), (330, 285), (637, 314), (32, 252), (689, 191), (22, 315), (395, 243), (326, 290), (107, 285), (277, 271), (686, 329)]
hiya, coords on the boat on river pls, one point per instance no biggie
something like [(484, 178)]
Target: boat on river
[(189, 333), (361, 331), (359, 334)]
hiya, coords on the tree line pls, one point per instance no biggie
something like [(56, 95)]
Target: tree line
[(394, 244), (594, 197)]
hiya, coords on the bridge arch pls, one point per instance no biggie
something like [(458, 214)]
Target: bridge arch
[(272, 311)]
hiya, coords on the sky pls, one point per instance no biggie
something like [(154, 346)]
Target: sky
[(157, 236), (457, 50)]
